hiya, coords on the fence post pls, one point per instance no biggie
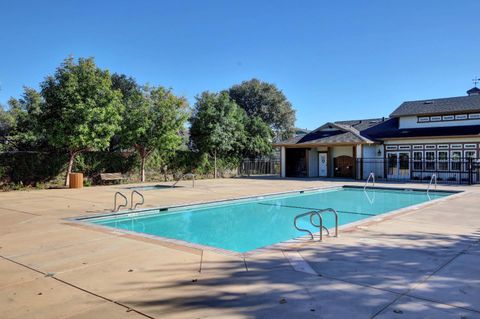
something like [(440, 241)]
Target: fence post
[(470, 171)]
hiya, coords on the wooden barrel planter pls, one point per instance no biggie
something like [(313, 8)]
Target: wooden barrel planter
[(75, 180)]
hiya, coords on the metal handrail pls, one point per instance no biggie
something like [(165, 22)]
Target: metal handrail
[(434, 176), (328, 210), (115, 208), (184, 175), (320, 225), (306, 230), (136, 204), (372, 175)]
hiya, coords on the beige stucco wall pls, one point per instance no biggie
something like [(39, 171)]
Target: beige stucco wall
[(337, 151)]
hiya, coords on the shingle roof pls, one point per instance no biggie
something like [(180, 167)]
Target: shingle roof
[(389, 129), (439, 106), (342, 132)]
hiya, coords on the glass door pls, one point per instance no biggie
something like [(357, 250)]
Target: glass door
[(398, 165)]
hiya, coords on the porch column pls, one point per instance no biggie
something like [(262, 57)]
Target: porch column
[(358, 161), (282, 162)]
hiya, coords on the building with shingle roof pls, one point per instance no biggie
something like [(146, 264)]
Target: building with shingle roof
[(420, 137)]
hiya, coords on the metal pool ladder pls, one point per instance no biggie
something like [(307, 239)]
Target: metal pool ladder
[(371, 175), (132, 205), (115, 208), (434, 176), (320, 225)]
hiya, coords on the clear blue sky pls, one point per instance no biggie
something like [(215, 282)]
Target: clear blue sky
[(335, 60)]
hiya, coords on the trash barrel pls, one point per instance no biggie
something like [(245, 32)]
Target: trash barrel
[(75, 180)]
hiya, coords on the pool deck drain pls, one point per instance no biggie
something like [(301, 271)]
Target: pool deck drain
[(422, 263)]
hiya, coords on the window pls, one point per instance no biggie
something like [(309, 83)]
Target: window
[(442, 160), (424, 119), (455, 158), (430, 160), (417, 161), (469, 155), (391, 148), (456, 146), (470, 146), (474, 116), (448, 118), (430, 147), (461, 117), (435, 118), (418, 147), (392, 163), (404, 147), (443, 147)]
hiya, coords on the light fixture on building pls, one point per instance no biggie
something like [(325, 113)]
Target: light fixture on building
[(379, 153)]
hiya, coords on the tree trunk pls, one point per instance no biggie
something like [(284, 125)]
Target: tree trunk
[(142, 168), (215, 164), (70, 166)]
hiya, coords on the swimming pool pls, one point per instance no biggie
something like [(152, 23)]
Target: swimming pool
[(248, 224)]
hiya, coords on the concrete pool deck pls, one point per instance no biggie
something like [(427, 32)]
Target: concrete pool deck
[(423, 263)]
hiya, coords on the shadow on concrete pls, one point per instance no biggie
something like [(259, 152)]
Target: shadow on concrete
[(356, 278)]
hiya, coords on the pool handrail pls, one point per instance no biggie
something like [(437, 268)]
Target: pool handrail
[(306, 230), (132, 206), (328, 210), (371, 175), (434, 176), (115, 208), (182, 177)]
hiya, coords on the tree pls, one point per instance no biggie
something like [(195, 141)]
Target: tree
[(217, 126), (24, 112), (153, 121), (266, 101), (81, 110), (258, 137), (130, 90)]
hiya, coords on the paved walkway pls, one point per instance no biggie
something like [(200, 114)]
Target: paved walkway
[(421, 264)]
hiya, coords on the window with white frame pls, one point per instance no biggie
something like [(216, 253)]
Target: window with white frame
[(470, 145), (455, 160), (430, 160), (442, 160), (417, 161)]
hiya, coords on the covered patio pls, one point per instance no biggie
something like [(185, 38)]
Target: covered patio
[(330, 151)]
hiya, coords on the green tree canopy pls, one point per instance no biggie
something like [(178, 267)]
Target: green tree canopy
[(81, 110), (24, 114), (153, 121), (266, 101), (217, 126), (258, 138)]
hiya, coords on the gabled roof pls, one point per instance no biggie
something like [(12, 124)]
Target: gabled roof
[(439, 106), (331, 133), (389, 129)]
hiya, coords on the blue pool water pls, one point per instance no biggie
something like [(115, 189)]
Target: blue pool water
[(245, 225)]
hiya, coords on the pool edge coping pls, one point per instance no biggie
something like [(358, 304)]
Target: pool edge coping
[(280, 246)]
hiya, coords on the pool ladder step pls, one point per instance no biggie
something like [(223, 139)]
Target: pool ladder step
[(317, 213), (133, 205)]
